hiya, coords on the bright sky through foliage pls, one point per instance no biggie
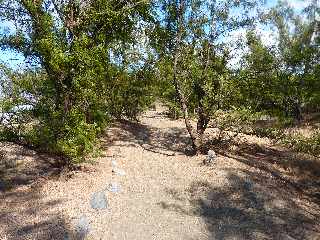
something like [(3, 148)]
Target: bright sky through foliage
[(16, 60)]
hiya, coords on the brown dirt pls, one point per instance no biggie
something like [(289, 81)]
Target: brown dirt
[(253, 190)]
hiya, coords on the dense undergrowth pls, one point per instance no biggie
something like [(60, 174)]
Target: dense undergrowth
[(295, 141)]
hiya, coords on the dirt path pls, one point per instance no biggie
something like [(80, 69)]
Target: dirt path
[(166, 194)]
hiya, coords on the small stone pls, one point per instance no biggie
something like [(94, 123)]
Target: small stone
[(211, 156), (119, 171), (99, 201), (82, 228), (114, 163), (113, 187)]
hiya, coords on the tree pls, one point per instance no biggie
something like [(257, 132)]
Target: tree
[(281, 78), (75, 43), (259, 79), (298, 54), (192, 51)]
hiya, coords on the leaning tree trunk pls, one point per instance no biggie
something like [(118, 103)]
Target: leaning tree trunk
[(180, 96), (184, 107), (196, 135), (202, 123)]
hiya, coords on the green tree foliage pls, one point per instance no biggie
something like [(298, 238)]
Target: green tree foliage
[(283, 78), (83, 82), (192, 56), (258, 79)]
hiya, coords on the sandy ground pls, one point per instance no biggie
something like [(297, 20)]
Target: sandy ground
[(253, 190)]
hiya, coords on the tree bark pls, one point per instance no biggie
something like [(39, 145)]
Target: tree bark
[(195, 135), (297, 111), (202, 124)]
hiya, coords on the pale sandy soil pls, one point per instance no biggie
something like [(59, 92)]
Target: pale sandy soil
[(253, 191)]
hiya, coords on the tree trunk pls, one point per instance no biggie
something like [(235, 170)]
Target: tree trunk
[(196, 135), (297, 111), (202, 123), (180, 96)]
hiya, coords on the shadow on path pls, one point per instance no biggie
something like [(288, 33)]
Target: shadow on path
[(168, 141), (300, 172), (20, 166), (24, 213), (250, 207)]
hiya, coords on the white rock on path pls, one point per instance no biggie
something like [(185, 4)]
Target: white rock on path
[(211, 156), (114, 163), (114, 188), (119, 171), (99, 201)]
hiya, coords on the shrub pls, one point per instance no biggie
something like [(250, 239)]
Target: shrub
[(272, 132), (231, 123), (300, 143)]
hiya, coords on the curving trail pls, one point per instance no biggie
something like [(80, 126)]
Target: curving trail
[(253, 191)]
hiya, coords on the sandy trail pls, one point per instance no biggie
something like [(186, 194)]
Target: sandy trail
[(165, 194)]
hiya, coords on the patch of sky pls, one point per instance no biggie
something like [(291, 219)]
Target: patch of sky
[(267, 32), (9, 57), (17, 61)]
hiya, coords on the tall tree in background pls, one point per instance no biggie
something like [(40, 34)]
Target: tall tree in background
[(282, 78), (298, 52), (192, 49), (258, 77)]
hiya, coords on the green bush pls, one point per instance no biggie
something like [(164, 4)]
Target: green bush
[(235, 121), (273, 133), (300, 143), (297, 142), (74, 139), (74, 133), (7, 135)]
